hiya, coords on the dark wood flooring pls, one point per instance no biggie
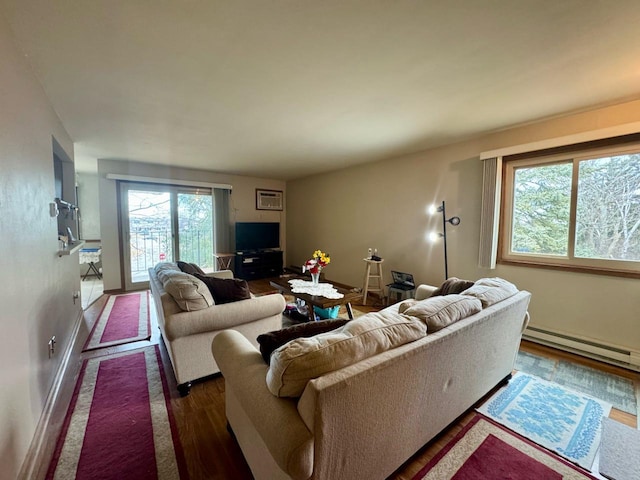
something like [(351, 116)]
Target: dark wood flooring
[(210, 451)]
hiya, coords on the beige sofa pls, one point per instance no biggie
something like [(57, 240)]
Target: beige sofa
[(365, 420), (188, 334)]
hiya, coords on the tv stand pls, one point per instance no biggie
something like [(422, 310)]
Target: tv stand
[(258, 264)]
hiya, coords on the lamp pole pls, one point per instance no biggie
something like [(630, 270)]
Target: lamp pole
[(444, 237), (453, 221)]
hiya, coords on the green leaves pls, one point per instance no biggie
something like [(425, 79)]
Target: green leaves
[(607, 205), (542, 197)]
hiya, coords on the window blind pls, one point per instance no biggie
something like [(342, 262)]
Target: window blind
[(490, 214)]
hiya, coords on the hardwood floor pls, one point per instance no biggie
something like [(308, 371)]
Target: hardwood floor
[(211, 452)]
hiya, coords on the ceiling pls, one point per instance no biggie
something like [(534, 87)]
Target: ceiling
[(289, 88)]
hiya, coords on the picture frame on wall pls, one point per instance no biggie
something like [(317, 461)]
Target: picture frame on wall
[(269, 199)]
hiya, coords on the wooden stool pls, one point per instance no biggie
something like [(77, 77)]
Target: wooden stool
[(376, 276)]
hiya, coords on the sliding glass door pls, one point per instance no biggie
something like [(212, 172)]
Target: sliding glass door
[(195, 228), (164, 223)]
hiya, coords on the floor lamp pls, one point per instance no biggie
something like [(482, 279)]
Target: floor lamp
[(433, 236)]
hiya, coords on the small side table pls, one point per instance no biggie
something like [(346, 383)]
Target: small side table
[(400, 293), (223, 260), (375, 275)]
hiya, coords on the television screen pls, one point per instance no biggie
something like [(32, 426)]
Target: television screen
[(257, 236)]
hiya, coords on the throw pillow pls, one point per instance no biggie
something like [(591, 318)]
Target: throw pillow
[(452, 285), (441, 311), (407, 304), (491, 290), (190, 293), (164, 270), (304, 359), (271, 340), (226, 290), (190, 268)]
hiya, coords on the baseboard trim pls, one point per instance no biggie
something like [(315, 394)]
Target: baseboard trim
[(116, 291), (34, 467)]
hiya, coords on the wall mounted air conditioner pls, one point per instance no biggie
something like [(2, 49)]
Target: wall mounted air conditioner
[(269, 199)]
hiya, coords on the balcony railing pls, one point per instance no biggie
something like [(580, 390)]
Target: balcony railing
[(149, 246)]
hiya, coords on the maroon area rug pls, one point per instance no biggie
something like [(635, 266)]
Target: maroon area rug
[(484, 450), (120, 424), (124, 319)]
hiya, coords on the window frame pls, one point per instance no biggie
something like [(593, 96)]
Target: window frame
[(568, 262)]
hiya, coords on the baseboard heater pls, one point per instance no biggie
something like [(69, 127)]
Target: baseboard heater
[(598, 351)]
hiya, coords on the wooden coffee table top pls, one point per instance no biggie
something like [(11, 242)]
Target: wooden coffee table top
[(282, 284)]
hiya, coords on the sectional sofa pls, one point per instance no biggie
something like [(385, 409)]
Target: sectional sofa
[(431, 361)]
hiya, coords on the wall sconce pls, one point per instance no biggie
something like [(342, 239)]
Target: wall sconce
[(434, 236)]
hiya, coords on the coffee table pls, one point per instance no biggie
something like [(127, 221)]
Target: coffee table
[(283, 286)]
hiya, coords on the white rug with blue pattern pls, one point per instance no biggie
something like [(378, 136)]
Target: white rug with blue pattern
[(562, 420)]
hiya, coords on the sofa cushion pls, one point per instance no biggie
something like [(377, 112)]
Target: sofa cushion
[(164, 270), (226, 290), (452, 285), (190, 293), (189, 268), (271, 340), (303, 359), (491, 290), (441, 311)]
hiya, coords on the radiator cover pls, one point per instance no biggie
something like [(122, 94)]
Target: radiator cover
[(588, 348)]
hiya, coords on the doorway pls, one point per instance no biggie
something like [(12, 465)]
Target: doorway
[(164, 223)]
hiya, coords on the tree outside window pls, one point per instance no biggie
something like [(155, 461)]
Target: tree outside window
[(541, 205), (581, 212), (608, 212)]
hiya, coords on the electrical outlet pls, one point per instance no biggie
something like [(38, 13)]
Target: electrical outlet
[(52, 346)]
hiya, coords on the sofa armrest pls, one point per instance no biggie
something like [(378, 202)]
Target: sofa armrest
[(220, 317), (221, 274), (525, 322), (425, 291), (275, 419)]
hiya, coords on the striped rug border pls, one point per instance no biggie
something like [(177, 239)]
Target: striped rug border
[(175, 438), (101, 322)]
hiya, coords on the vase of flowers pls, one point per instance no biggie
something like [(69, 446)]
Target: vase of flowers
[(315, 265)]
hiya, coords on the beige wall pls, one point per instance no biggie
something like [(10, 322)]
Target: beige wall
[(242, 205), (383, 205), (37, 285), (87, 183)]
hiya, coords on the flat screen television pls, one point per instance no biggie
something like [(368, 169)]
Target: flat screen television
[(257, 236)]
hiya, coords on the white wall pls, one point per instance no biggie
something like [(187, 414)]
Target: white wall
[(383, 205), (37, 285), (242, 205), (89, 205)]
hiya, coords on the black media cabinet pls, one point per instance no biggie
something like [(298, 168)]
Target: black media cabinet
[(260, 264)]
